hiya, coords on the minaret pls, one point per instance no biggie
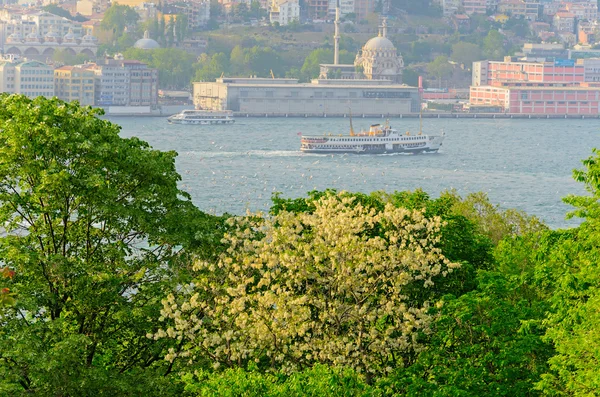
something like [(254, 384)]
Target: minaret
[(384, 27), (336, 35)]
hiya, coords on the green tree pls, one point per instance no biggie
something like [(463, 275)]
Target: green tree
[(96, 231), (341, 285), (66, 58), (466, 54), (209, 68), (440, 68), (487, 342), (571, 273), (319, 380), (493, 45), (117, 17), (310, 69), (181, 27), (175, 66)]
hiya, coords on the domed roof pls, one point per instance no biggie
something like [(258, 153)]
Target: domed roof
[(146, 43), (379, 43), (33, 35), (69, 36), (88, 38)]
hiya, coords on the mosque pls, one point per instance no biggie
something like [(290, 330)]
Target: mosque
[(372, 86), (378, 60)]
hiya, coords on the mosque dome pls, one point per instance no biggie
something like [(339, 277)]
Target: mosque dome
[(33, 37), (52, 37), (146, 43), (88, 38), (379, 43), (69, 38), (14, 38)]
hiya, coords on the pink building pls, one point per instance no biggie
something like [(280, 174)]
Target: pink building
[(560, 87), (580, 100), (522, 73)]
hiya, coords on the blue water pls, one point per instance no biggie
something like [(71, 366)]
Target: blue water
[(523, 164)]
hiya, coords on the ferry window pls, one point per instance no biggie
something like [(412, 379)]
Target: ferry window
[(294, 94), (318, 94), (244, 94), (352, 94), (329, 94), (269, 94)]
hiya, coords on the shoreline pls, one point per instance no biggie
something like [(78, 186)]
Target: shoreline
[(520, 116)]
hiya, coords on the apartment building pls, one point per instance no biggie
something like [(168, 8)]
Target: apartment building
[(120, 82), (564, 86), (474, 6), (72, 83), (285, 11), (30, 78), (564, 21)]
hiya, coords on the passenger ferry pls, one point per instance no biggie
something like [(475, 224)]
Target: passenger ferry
[(379, 139), (202, 117)]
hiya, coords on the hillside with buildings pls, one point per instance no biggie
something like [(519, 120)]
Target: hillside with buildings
[(133, 53)]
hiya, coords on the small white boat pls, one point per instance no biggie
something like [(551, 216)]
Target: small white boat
[(202, 117)]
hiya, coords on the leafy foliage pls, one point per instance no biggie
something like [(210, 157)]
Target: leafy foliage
[(319, 380), (117, 17), (175, 66), (96, 232), (340, 285), (571, 274)]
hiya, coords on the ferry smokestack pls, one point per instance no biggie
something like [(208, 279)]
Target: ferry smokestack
[(336, 36)]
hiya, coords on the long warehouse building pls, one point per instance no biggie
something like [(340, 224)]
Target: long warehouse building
[(321, 97)]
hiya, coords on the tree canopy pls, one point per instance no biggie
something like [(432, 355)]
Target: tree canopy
[(117, 17), (91, 221)]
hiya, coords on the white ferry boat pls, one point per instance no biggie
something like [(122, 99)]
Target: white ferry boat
[(202, 117), (378, 140)]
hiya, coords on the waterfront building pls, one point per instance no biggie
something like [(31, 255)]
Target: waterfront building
[(120, 82), (563, 86), (72, 83), (28, 77), (559, 71), (579, 100), (322, 97)]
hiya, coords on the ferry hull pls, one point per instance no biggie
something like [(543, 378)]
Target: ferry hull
[(370, 151), (200, 122)]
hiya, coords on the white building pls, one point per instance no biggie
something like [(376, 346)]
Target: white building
[(120, 82), (30, 78), (285, 11)]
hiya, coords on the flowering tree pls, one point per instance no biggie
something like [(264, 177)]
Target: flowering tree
[(331, 286)]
